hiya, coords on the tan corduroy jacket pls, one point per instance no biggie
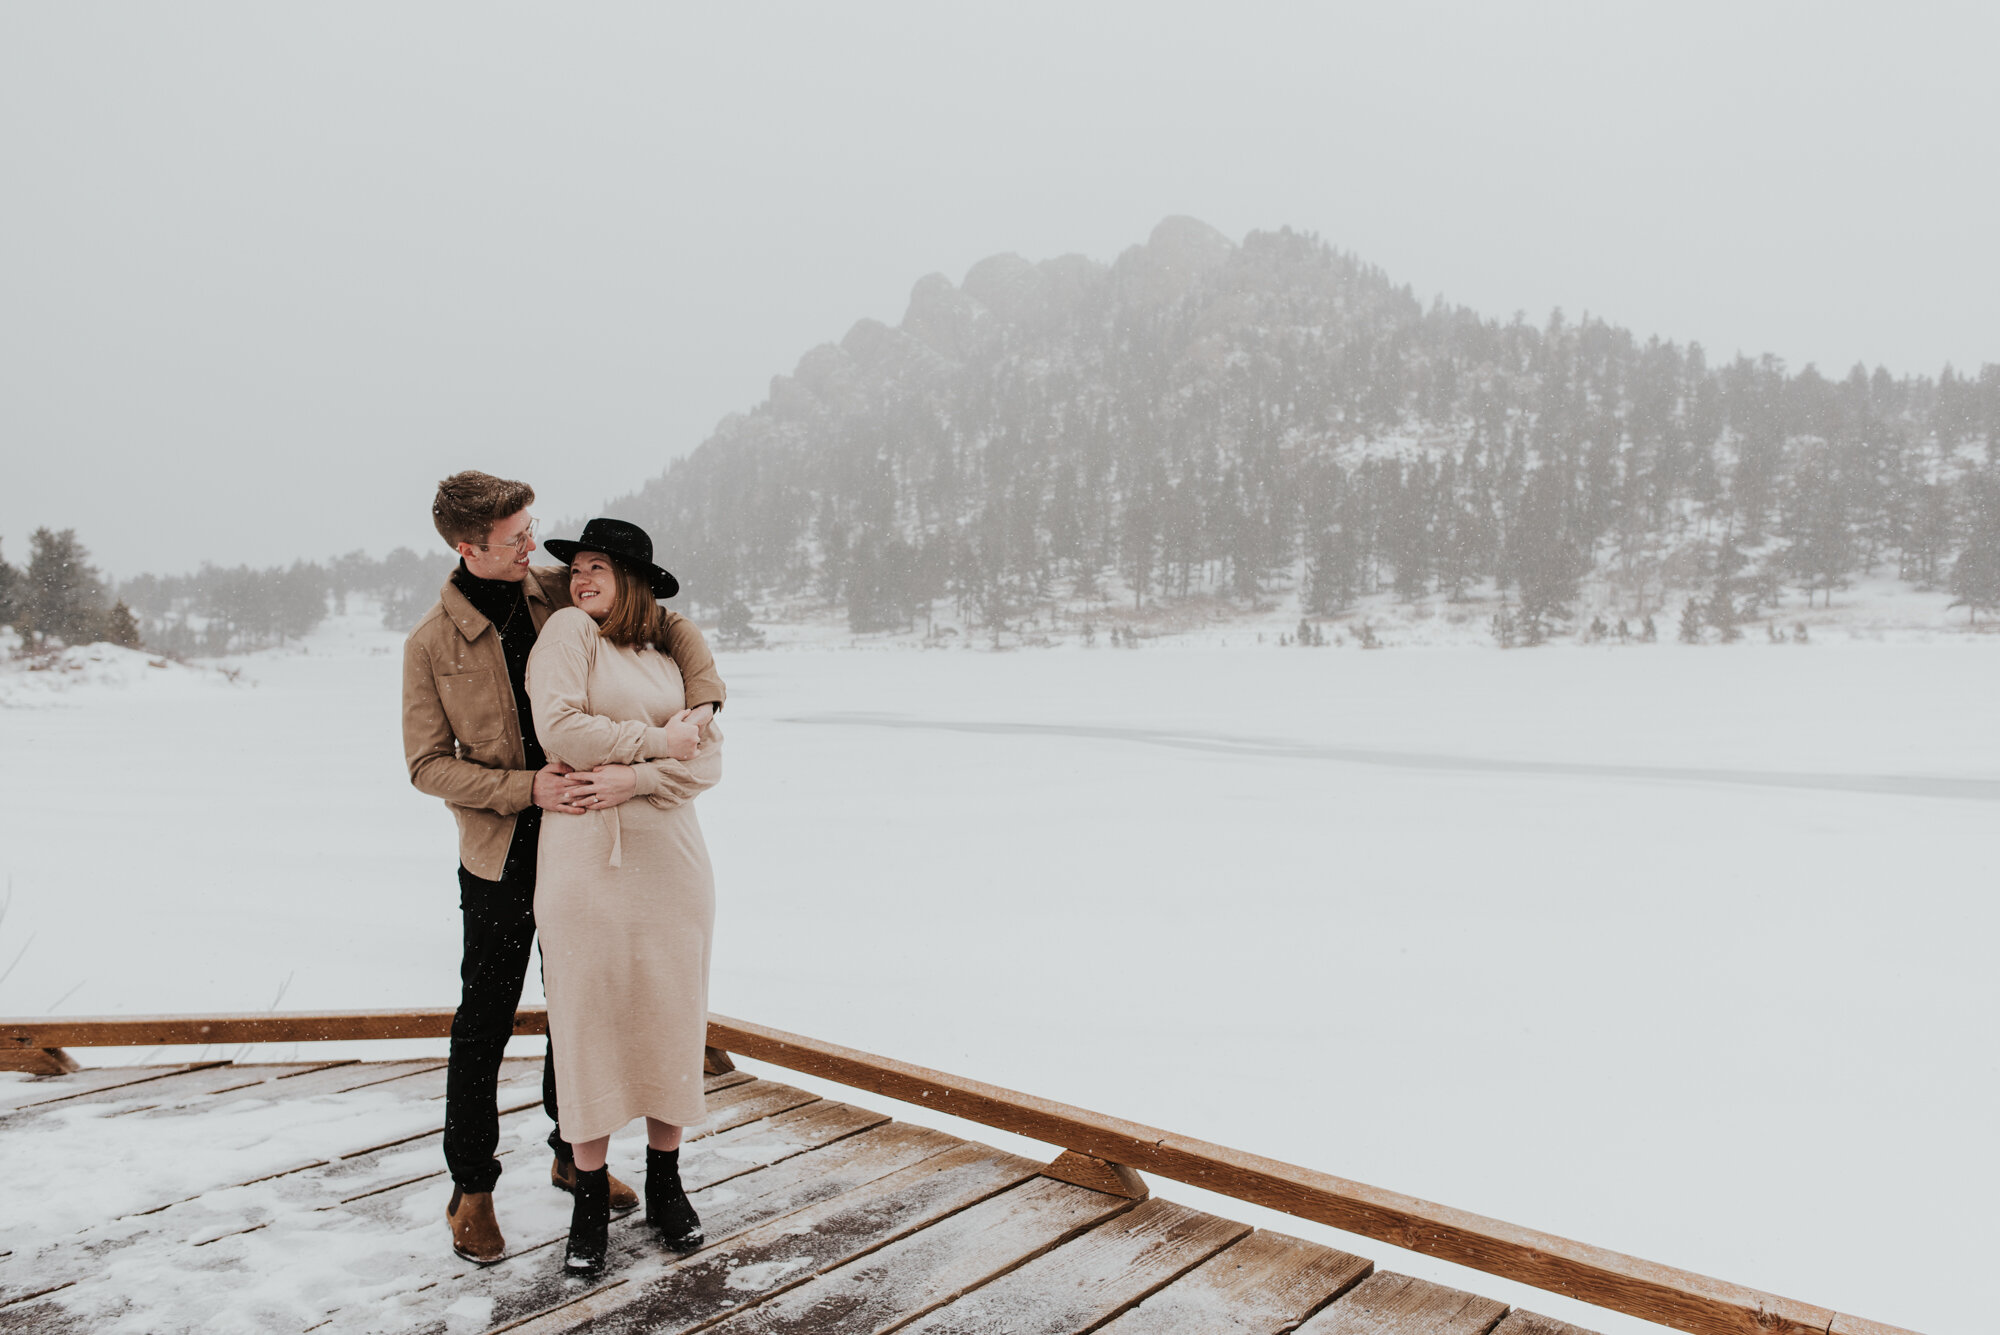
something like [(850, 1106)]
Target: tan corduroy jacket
[(461, 731)]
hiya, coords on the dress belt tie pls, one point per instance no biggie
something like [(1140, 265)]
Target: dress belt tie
[(617, 842)]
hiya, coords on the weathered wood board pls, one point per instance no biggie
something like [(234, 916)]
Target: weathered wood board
[(1092, 1278), (37, 1091), (930, 1268), (1520, 1321), (1266, 1283), (1387, 1303)]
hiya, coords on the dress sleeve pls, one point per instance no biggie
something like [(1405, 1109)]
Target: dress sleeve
[(559, 695), (668, 783)]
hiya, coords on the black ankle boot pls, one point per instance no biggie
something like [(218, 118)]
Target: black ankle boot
[(668, 1209), (589, 1224)]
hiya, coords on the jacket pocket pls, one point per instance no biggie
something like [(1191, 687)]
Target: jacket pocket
[(471, 707)]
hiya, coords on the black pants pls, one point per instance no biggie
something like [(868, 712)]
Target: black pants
[(499, 935)]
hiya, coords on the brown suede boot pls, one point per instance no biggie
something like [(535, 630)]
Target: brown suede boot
[(562, 1173), (475, 1233)]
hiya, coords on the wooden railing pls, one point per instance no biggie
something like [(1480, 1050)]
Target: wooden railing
[(1645, 1289)]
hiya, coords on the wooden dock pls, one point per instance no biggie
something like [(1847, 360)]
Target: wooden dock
[(821, 1216), (311, 1197)]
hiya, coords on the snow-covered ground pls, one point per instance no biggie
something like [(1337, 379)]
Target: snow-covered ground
[(1686, 952)]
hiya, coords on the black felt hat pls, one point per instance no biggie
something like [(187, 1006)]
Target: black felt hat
[(623, 542)]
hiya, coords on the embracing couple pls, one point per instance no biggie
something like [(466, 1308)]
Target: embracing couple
[(565, 718)]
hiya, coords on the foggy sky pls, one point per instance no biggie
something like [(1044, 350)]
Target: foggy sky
[(267, 272)]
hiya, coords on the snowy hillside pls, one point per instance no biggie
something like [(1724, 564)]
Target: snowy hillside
[(1210, 429)]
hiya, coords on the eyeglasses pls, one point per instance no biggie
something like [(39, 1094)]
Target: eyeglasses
[(520, 542)]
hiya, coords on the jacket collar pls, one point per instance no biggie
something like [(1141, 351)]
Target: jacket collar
[(472, 622)]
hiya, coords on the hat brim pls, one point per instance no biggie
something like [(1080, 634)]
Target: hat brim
[(663, 584)]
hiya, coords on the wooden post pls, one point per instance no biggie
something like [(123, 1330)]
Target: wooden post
[(714, 1061), (38, 1061), (1112, 1178)]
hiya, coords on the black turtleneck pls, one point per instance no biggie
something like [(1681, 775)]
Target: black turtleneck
[(505, 603)]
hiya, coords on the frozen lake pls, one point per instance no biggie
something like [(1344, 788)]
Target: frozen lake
[(1686, 952)]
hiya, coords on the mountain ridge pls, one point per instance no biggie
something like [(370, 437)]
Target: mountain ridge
[(1277, 420)]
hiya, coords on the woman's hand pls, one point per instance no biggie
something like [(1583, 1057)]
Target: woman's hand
[(683, 732), (604, 787)]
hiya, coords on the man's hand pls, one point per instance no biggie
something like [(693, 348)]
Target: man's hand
[(605, 786), (555, 789), (699, 716), (683, 735)]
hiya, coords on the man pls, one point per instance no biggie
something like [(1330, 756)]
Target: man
[(470, 739)]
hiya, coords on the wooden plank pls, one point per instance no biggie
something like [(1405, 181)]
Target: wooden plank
[(1387, 1303), (1523, 1322), (355, 1174), (362, 1075), (748, 1102), (789, 1251), (193, 1092), (1855, 1325), (727, 1080), (1267, 1283), (1646, 1289), (108, 1090), (731, 1105), (708, 1162), (48, 1089), (530, 1293), (112, 1031), (1084, 1283), (929, 1268)]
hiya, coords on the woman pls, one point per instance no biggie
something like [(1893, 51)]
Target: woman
[(624, 895)]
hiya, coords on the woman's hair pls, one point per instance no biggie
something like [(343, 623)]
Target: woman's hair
[(636, 619)]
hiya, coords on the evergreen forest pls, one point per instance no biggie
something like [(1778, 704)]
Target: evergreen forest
[(1276, 420), (1234, 428)]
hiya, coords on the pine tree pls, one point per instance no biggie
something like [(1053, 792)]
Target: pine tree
[(1721, 613), (1822, 550), (1543, 557), (10, 585), (733, 628), (1975, 576), (1690, 622), (62, 597), (1331, 571), (119, 626)]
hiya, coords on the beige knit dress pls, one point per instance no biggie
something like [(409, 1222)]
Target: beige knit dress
[(624, 898)]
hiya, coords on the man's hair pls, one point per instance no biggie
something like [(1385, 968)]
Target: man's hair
[(469, 504), (636, 619)]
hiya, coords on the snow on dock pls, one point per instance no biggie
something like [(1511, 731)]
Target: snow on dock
[(310, 1197)]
